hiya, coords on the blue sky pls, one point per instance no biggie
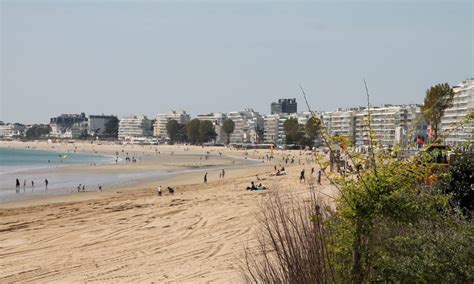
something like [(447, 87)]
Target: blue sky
[(147, 57)]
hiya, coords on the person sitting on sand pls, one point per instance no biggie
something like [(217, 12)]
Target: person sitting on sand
[(260, 187), (252, 186), (170, 190)]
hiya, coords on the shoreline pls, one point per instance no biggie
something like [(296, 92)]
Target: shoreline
[(148, 172)]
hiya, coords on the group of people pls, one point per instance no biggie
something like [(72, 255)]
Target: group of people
[(279, 172), (18, 184), (253, 186), (318, 178), (82, 187), (159, 190)]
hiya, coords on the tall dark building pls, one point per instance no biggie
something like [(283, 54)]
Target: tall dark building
[(284, 106)]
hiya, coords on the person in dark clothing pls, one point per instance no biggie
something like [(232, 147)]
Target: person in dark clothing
[(302, 179), (252, 186)]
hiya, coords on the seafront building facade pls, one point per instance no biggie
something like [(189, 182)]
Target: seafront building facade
[(454, 129), (340, 122), (159, 128), (390, 124), (134, 126), (248, 126), (11, 130), (274, 133), (61, 126)]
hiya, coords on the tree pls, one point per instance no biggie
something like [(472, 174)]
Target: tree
[(228, 126), (290, 126), (294, 132), (313, 127), (438, 98), (181, 136), (457, 181), (36, 131), (111, 128), (192, 131), (172, 128), (206, 131)]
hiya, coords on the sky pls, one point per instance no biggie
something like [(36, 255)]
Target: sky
[(149, 57)]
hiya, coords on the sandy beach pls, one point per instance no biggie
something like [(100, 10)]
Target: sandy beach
[(129, 234)]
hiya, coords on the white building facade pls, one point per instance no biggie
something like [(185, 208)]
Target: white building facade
[(248, 126), (390, 124), (273, 126), (134, 126), (159, 128), (455, 128), (11, 130)]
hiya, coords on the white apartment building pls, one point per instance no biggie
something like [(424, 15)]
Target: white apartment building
[(134, 126), (159, 128), (340, 122), (453, 126), (391, 124), (384, 122), (273, 126), (217, 119), (248, 126)]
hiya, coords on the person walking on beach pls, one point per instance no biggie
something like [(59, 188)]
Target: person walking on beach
[(32, 184), (79, 188), (17, 184), (319, 177), (223, 173), (46, 182), (302, 179), (158, 190), (205, 177)]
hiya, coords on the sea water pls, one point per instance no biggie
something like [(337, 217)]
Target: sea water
[(32, 167), (13, 160)]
